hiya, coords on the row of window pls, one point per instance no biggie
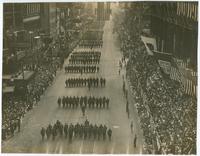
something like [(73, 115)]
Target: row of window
[(32, 8), (188, 9)]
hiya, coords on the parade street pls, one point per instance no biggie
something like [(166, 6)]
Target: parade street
[(47, 111)]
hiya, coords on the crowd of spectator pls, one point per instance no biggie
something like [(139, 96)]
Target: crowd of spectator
[(14, 107), (167, 115)]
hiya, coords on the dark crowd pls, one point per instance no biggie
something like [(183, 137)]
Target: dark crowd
[(167, 115), (85, 82), (14, 107), (88, 102), (71, 131)]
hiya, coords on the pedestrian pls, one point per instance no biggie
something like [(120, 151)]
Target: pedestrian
[(109, 134), (135, 140), (127, 107), (128, 113), (126, 93), (131, 126), (123, 87), (12, 129)]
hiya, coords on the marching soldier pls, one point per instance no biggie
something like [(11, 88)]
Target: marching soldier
[(59, 102), (61, 129), (76, 130), (104, 102), (54, 133), (87, 122), (83, 110), (42, 132), (48, 133), (109, 133), (81, 131), (66, 130), (99, 132), (63, 101), (104, 132), (90, 130), (95, 131), (107, 103), (101, 82)]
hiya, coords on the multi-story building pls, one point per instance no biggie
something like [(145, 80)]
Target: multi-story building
[(24, 24), (103, 11), (174, 25)]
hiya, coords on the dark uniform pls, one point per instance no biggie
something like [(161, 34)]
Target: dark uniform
[(135, 141), (42, 132), (109, 134), (104, 132), (59, 102), (66, 130), (83, 110)]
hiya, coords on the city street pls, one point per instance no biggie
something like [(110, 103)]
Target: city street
[(100, 78), (47, 111)]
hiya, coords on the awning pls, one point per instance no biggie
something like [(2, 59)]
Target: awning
[(27, 75), (147, 42), (8, 89), (6, 77), (28, 19)]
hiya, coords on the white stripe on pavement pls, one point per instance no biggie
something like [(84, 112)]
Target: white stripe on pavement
[(61, 149), (112, 149), (140, 150), (93, 147), (57, 147), (47, 148), (80, 150), (127, 150)]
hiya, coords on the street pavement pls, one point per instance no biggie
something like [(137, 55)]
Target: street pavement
[(47, 111)]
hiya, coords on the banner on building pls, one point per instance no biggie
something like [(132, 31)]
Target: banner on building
[(150, 44)]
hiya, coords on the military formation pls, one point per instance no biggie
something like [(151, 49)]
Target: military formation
[(85, 57), (77, 131), (85, 82), (83, 101), (81, 62), (91, 44), (81, 69)]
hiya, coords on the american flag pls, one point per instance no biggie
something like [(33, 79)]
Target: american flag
[(189, 87)]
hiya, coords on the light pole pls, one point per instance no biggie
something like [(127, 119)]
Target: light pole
[(37, 44)]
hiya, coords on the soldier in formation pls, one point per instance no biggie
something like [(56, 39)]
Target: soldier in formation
[(91, 44), (88, 102), (81, 69), (85, 82), (84, 130), (85, 57)]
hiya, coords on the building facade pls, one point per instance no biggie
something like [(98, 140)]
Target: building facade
[(174, 25)]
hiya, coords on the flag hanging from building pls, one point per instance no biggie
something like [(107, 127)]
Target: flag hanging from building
[(100, 11)]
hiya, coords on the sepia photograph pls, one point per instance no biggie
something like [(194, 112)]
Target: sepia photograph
[(99, 77)]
